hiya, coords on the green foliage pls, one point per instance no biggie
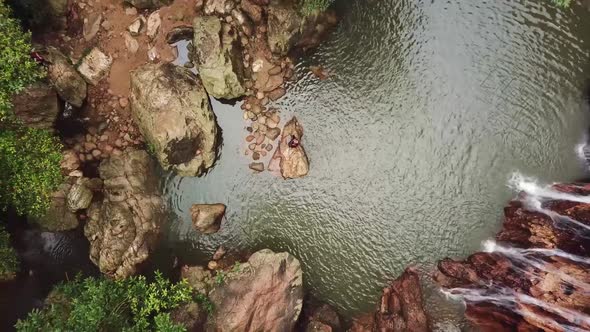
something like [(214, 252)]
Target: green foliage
[(92, 304), (220, 277), (29, 158), (17, 70), (203, 300), (312, 7), (29, 169), (562, 3), (8, 260)]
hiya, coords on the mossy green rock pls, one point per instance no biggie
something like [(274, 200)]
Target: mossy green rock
[(58, 217), (172, 110), (284, 25), (218, 58)]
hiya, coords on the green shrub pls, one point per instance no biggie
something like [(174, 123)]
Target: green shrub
[(29, 169), (17, 70), (562, 3), (29, 158), (311, 7), (8, 260), (99, 304)]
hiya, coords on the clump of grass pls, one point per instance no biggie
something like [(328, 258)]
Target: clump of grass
[(562, 3), (8, 260), (312, 7)]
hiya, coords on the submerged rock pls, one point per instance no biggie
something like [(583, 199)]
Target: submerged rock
[(173, 113), (69, 84), (95, 66), (37, 106), (400, 308), (207, 217), (123, 229), (218, 58), (294, 162), (263, 294)]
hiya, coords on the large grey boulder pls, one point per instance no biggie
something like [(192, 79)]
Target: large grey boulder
[(70, 86), (37, 106), (218, 57), (264, 294), (285, 25), (173, 113), (124, 227), (148, 4)]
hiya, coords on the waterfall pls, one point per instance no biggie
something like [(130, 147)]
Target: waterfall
[(537, 264)]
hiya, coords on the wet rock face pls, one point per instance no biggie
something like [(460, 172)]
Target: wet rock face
[(124, 227), (265, 294), (70, 86), (58, 218), (400, 308), (148, 4), (37, 106), (173, 113), (218, 57), (284, 25), (536, 278)]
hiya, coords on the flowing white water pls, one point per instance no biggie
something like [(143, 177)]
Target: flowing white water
[(509, 299), (519, 182), (523, 256), (539, 259)]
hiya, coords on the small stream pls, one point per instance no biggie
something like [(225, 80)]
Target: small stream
[(430, 108)]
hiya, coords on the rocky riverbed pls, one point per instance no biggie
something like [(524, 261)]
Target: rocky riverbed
[(125, 111)]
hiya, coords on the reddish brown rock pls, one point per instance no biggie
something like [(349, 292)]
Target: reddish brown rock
[(538, 283), (294, 162), (400, 308)]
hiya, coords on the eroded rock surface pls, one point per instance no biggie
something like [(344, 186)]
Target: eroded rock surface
[(217, 56), (173, 113), (124, 227), (264, 294), (37, 106), (399, 310), (69, 84), (535, 279)]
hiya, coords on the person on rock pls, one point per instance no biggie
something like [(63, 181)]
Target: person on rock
[(294, 142)]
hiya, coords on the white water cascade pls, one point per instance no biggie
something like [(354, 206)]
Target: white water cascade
[(535, 263)]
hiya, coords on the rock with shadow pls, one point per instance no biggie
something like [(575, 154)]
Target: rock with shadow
[(172, 110)]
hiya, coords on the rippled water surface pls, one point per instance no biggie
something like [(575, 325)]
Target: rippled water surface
[(429, 109)]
